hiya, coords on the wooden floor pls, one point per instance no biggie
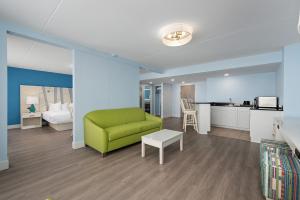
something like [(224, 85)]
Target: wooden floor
[(230, 133), (44, 165)]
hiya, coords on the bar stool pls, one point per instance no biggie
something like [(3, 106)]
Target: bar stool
[(189, 115)]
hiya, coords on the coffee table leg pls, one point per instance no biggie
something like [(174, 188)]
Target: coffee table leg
[(181, 143), (143, 149), (161, 155)]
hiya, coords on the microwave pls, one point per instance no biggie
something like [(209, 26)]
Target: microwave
[(266, 102)]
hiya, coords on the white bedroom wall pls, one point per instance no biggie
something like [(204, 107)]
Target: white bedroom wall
[(101, 83)]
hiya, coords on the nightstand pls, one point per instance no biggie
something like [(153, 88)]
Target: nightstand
[(31, 120)]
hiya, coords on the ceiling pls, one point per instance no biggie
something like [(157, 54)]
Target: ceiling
[(223, 29), (30, 54), (192, 78)]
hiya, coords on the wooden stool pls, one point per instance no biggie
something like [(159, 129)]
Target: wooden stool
[(189, 115)]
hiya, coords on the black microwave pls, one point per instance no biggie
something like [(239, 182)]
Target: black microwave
[(266, 102)]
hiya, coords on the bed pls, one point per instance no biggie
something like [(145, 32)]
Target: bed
[(59, 118), (60, 121), (55, 104)]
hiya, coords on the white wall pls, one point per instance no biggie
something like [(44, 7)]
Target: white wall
[(241, 88), (167, 92), (101, 83), (3, 100), (292, 80)]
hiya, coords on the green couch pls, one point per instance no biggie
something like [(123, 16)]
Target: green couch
[(107, 130)]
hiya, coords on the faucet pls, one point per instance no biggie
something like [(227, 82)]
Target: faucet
[(230, 100)]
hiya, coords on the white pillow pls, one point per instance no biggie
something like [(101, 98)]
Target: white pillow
[(65, 107), (55, 107)]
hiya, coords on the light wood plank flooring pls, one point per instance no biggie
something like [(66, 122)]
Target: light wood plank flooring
[(44, 165), (230, 133)]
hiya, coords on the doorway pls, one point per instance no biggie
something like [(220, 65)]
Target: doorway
[(157, 100)]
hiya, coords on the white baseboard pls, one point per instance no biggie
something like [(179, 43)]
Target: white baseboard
[(78, 145), (14, 126), (4, 164)]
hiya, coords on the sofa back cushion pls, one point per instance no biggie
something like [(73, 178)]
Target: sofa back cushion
[(114, 117)]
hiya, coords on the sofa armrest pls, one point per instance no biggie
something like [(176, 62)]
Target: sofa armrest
[(95, 136), (154, 118)]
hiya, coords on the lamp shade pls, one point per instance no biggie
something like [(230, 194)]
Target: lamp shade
[(32, 100)]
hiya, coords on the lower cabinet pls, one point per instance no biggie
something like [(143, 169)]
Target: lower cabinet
[(243, 118), (231, 117)]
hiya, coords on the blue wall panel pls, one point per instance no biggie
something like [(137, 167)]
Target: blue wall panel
[(18, 76)]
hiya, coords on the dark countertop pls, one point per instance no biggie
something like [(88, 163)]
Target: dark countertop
[(222, 104), (280, 109), (226, 104)]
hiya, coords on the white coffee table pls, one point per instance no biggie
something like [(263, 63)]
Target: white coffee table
[(161, 139)]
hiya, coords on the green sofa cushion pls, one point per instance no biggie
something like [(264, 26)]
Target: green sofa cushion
[(117, 132), (148, 124), (115, 117)]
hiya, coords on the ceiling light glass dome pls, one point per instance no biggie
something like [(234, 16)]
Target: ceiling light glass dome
[(176, 34)]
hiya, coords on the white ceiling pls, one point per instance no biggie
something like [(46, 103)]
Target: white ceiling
[(30, 54), (223, 29), (192, 78)]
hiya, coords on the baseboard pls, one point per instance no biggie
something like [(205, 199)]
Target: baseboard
[(14, 126), (4, 164), (78, 145)]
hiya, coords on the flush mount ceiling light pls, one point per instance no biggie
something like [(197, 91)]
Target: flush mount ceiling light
[(226, 74), (176, 34)]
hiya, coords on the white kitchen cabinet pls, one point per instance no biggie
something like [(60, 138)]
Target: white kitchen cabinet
[(243, 118), (231, 117)]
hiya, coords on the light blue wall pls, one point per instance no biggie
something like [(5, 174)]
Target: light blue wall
[(3, 99), (241, 88), (111, 81), (101, 84), (291, 59), (18, 76), (280, 83), (242, 62)]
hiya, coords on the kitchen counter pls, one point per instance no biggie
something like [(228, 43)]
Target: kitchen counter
[(224, 104), (280, 109), (203, 117)]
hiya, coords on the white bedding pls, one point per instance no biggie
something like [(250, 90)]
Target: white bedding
[(60, 117)]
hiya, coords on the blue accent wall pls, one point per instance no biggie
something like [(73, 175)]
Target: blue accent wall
[(18, 76)]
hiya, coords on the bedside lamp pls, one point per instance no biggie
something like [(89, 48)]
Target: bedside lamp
[(32, 101)]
